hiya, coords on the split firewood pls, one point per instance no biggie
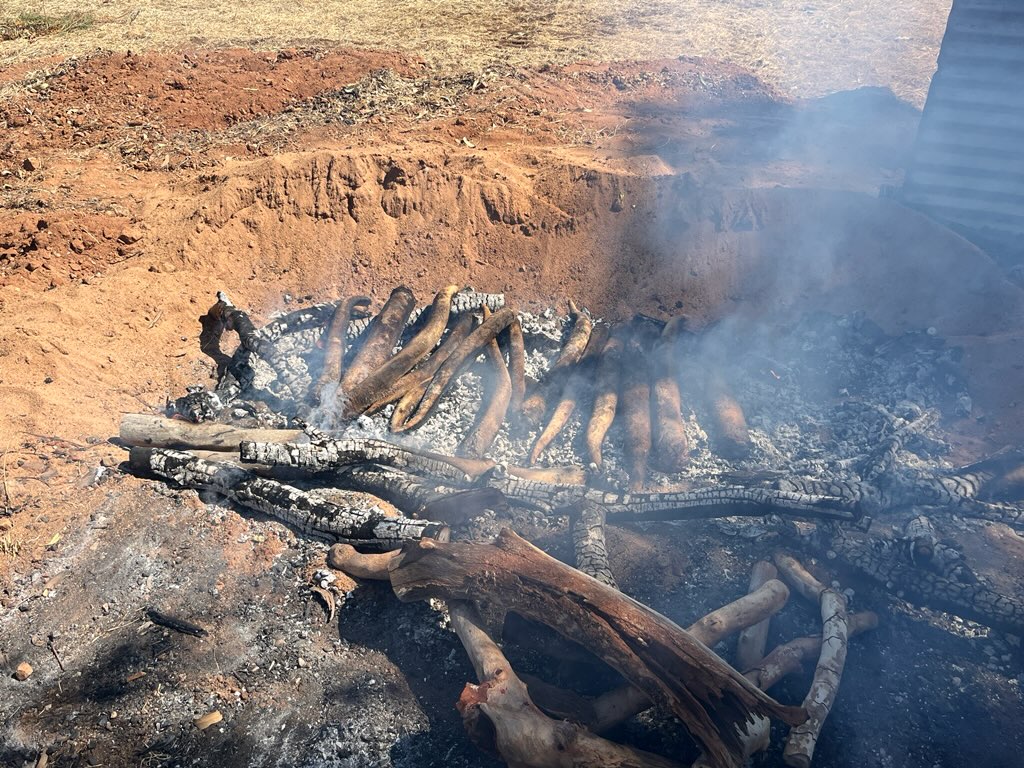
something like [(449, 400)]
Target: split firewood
[(474, 344), (381, 338), (588, 522), (536, 405), (804, 737), (361, 522), (494, 405), (635, 402), (652, 653), (361, 394), (576, 387), (671, 447), (334, 344), (751, 643), (409, 389), (606, 393), (516, 365)]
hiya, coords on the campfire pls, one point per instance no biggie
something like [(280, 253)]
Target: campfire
[(411, 438)]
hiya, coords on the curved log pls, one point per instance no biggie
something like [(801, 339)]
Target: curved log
[(364, 393), (334, 343), (381, 338), (494, 405), (516, 365)]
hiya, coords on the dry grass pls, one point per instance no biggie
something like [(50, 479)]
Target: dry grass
[(29, 25), (803, 47)]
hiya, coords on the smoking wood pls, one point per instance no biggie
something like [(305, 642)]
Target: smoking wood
[(635, 402), (606, 394), (494, 405), (671, 447), (381, 338), (334, 344), (536, 405)]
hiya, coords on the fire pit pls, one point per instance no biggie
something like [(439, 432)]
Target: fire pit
[(423, 434)]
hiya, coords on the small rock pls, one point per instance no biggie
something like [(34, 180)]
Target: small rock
[(130, 235), (302, 662), (30, 164), (23, 671)]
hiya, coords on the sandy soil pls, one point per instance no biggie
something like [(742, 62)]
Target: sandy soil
[(136, 185)]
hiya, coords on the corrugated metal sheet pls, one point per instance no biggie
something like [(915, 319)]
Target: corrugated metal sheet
[(968, 164)]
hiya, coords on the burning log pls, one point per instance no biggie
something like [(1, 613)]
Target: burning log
[(516, 365), (381, 338), (492, 414), (635, 397), (606, 394), (536, 405), (474, 344), (362, 394), (588, 540), (886, 561), (365, 524), (576, 386), (655, 655), (804, 737), (671, 446), (334, 344), (409, 389)]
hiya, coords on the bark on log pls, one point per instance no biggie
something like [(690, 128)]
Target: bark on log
[(536, 405), (157, 432), (606, 394), (334, 344), (409, 389), (660, 658), (577, 385), (474, 344), (362, 394), (367, 525), (494, 405), (671, 447)]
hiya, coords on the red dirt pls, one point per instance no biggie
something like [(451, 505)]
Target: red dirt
[(632, 187)]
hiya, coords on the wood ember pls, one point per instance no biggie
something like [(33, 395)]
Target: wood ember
[(495, 405), (366, 524)]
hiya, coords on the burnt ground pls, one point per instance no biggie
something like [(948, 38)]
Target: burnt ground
[(135, 186)]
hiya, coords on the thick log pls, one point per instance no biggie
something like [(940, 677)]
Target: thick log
[(334, 344), (635, 404), (157, 432), (523, 735), (474, 344), (671, 447), (577, 385), (367, 525), (363, 394), (606, 394), (381, 338), (516, 365), (494, 405), (731, 433), (536, 405), (652, 653)]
